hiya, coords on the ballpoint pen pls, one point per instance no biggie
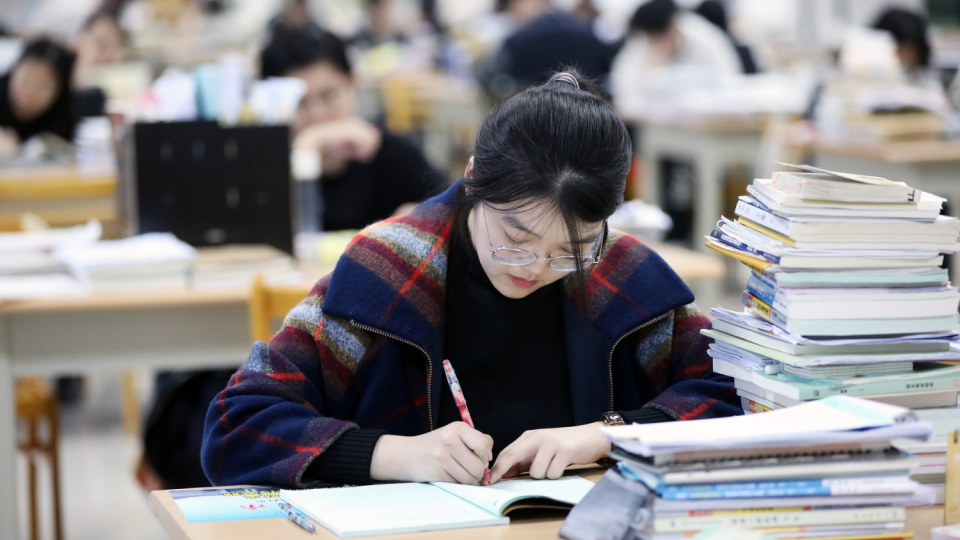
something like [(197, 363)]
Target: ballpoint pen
[(461, 403), (295, 516)]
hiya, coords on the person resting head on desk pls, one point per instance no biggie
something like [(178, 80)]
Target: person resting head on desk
[(35, 96), (552, 321), (368, 172)]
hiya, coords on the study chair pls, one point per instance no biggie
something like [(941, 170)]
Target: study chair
[(270, 303), (36, 403)]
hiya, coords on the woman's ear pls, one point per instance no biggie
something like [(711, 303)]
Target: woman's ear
[(468, 172)]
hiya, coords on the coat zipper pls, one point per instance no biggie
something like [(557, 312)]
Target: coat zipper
[(412, 344), (621, 338)]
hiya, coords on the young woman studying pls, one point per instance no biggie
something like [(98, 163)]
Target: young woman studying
[(553, 323)]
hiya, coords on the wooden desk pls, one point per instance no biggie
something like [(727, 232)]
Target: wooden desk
[(919, 520), (60, 195), (933, 166), (109, 333)]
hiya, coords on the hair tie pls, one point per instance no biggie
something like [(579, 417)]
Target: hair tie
[(565, 77)]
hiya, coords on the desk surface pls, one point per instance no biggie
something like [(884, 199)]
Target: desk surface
[(919, 521), (688, 264), (928, 151), (60, 182)]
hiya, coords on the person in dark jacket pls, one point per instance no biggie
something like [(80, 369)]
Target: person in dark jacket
[(36, 96), (368, 172), (551, 321)]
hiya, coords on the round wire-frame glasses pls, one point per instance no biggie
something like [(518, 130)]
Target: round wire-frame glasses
[(562, 263)]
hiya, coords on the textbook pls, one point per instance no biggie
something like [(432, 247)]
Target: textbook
[(851, 326), (804, 346), (827, 185), (413, 507), (900, 277), (927, 208), (845, 228), (745, 233), (826, 359), (773, 517), (916, 400), (926, 378), (920, 259), (790, 488), (866, 305), (887, 462)]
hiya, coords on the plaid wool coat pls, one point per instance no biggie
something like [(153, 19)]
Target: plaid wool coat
[(365, 348)]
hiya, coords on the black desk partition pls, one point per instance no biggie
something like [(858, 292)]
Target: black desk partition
[(207, 184)]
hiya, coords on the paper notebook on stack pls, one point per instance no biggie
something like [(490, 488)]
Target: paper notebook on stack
[(402, 508)]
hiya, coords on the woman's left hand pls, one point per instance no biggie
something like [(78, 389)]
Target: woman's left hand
[(545, 453)]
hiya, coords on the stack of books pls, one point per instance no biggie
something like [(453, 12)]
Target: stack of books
[(152, 261), (235, 266), (821, 469), (931, 455), (846, 295)]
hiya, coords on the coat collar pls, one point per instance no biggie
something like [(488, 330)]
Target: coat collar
[(392, 277)]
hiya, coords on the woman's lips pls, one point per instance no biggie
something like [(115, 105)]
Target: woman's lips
[(522, 283)]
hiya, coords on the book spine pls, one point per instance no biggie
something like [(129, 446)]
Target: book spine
[(747, 492), (696, 520), (763, 309), (743, 246), (853, 482), (762, 288), (763, 217)]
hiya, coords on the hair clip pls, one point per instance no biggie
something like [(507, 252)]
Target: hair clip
[(565, 77)]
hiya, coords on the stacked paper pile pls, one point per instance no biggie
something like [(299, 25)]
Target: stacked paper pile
[(822, 469), (846, 295), (236, 266), (154, 261), (28, 267), (931, 455)]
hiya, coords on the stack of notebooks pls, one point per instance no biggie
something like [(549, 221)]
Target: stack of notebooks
[(822, 469), (846, 295), (152, 261)]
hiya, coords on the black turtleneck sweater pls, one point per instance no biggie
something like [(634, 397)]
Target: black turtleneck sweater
[(509, 354)]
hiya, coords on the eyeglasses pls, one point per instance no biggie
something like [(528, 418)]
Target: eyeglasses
[(562, 263)]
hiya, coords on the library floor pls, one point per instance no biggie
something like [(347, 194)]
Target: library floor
[(100, 497)]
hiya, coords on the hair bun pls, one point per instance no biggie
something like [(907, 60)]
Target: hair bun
[(565, 77)]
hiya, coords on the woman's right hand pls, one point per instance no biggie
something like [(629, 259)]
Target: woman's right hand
[(454, 453)]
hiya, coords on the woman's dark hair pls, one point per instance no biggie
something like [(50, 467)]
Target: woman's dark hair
[(907, 28), (559, 145), (653, 17), (295, 47), (713, 11), (60, 60)]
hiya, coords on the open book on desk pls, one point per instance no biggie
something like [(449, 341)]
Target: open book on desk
[(411, 507)]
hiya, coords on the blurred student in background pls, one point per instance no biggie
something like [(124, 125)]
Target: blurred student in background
[(909, 30), (663, 37), (36, 95), (714, 12), (101, 42), (544, 41), (368, 172)]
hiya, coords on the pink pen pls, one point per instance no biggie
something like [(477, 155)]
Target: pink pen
[(461, 403)]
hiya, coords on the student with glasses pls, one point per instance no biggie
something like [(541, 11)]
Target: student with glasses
[(554, 324)]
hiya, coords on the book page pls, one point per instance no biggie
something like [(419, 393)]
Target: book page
[(496, 498), (388, 508)]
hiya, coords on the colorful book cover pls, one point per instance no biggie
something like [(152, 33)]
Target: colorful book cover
[(228, 504)]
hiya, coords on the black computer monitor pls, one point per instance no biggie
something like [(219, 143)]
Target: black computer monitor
[(207, 184)]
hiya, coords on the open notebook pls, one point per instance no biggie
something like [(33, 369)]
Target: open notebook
[(401, 508)]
